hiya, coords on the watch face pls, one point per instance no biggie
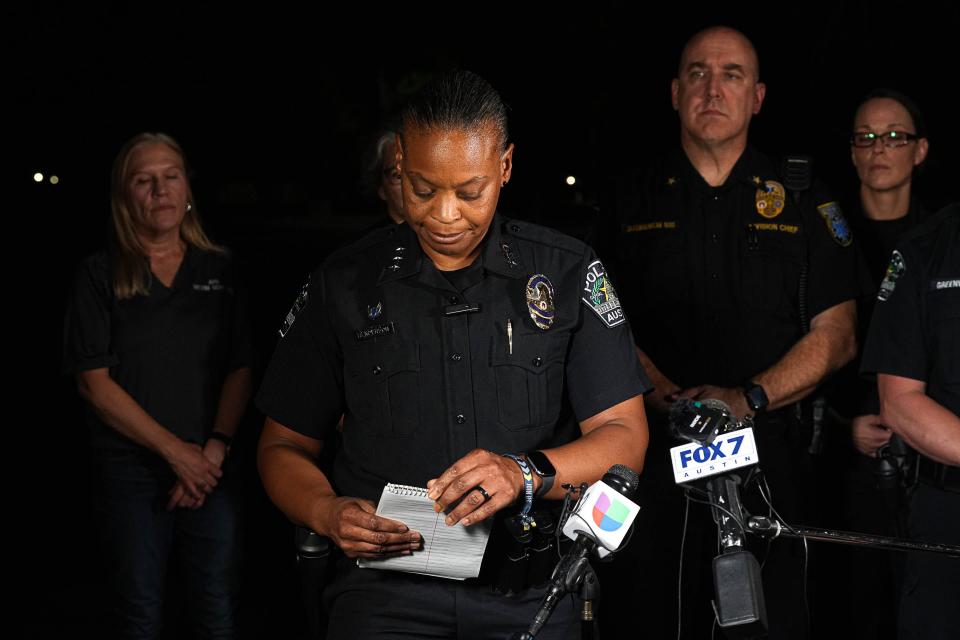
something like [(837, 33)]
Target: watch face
[(541, 464), (756, 397)]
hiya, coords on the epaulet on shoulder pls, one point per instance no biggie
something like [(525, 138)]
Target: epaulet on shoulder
[(372, 240), (543, 235)]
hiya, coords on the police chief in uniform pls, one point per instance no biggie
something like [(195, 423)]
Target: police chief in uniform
[(447, 342), (748, 291), (914, 348)]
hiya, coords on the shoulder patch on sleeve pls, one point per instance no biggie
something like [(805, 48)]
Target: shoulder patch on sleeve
[(298, 305), (600, 296), (895, 269), (837, 225)]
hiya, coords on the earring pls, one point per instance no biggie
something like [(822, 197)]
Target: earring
[(189, 206)]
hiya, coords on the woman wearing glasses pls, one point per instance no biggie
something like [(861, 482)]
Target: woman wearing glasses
[(888, 144)]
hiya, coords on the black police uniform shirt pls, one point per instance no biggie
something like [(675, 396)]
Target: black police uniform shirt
[(852, 395), (424, 366), (719, 269), (170, 350), (915, 329)]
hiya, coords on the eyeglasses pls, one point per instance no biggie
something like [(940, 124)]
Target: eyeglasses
[(891, 139)]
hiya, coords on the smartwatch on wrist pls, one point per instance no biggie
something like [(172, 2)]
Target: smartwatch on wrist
[(756, 397), (541, 465)]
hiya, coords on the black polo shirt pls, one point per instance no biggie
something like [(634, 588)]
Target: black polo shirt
[(718, 269), (170, 350), (423, 367), (915, 329)]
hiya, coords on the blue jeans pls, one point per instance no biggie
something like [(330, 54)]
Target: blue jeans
[(140, 539)]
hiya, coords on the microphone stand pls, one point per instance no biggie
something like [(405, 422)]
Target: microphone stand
[(739, 604), (573, 572), (772, 528)]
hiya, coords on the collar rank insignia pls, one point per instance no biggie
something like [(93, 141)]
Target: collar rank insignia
[(508, 255), (540, 301)]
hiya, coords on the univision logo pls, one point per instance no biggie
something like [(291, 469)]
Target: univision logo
[(608, 515)]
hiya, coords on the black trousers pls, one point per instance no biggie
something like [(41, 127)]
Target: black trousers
[(370, 603), (931, 587)]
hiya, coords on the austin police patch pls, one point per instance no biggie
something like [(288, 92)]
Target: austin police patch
[(836, 223), (895, 269), (540, 302), (298, 306), (599, 295)]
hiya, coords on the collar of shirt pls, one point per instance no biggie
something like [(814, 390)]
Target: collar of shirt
[(406, 259), (750, 166)]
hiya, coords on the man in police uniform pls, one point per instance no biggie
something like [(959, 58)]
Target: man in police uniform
[(749, 292), (914, 348), (446, 343)]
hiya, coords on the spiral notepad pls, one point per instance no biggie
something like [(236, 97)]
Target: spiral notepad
[(448, 552)]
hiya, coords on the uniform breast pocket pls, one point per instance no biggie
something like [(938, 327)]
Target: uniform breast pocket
[(529, 380), (659, 265), (382, 385), (945, 326), (770, 274)]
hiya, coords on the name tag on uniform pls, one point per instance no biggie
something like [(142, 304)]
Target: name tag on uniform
[(375, 331)]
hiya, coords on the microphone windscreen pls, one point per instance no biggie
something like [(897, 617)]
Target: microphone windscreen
[(622, 478)]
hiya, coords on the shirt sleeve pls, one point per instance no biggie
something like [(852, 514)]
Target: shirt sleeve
[(602, 367), (895, 339), (302, 388), (87, 325), (836, 272)]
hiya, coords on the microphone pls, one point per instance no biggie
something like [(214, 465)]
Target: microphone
[(719, 448), (718, 442), (606, 511), (599, 523)]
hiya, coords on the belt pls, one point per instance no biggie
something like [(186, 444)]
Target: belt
[(942, 476)]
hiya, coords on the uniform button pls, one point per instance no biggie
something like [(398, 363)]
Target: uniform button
[(460, 418), (713, 276), (456, 357), (454, 299), (377, 369), (537, 361), (514, 227), (715, 238)]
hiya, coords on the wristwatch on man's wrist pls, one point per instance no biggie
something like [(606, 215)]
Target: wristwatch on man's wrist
[(756, 397)]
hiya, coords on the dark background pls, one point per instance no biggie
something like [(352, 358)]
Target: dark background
[(274, 106)]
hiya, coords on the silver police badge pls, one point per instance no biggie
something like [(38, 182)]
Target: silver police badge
[(540, 301)]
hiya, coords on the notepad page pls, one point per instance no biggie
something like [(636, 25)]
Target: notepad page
[(449, 552)]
